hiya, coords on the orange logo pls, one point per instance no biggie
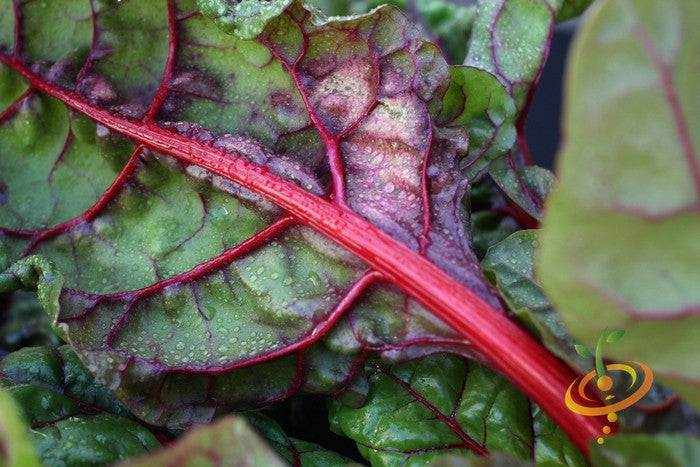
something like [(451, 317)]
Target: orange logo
[(639, 374)]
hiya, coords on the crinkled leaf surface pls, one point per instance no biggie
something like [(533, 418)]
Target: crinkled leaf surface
[(214, 222), (510, 266), (162, 275), (73, 419), (443, 22), (620, 239), (510, 40), (444, 405), (672, 450), (229, 441), (477, 100), (245, 18)]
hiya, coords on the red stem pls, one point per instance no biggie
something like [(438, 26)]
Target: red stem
[(516, 354)]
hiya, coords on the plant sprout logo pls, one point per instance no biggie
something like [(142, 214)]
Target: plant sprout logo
[(591, 406)]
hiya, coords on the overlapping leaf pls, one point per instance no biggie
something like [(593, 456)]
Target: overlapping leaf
[(510, 266), (73, 419), (619, 244), (511, 48), (445, 23), (443, 405), (169, 280)]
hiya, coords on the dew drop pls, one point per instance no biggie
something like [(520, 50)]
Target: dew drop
[(180, 345), (389, 188)]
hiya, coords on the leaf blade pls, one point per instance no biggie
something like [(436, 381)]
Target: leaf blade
[(630, 218)]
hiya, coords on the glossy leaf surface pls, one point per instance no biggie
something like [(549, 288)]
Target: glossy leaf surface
[(444, 23), (420, 411), (510, 266), (619, 245), (512, 49), (73, 419)]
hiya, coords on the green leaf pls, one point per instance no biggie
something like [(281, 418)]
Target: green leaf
[(583, 351), (668, 450), (510, 266), (477, 100), (488, 225), (73, 419), (615, 336), (16, 447), (510, 38), (59, 370), (229, 441), (525, 186), (444, 405), (619, 241), (572, 8), (494, 459)]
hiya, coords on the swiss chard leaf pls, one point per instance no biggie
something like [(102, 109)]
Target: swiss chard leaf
[(443, 405), (512, 49), (510, 265), (207, 218), (620, 238), (572, 8), (442, 22), (73, 419)]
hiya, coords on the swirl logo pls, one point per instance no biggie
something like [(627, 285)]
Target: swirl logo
[(578, 401)]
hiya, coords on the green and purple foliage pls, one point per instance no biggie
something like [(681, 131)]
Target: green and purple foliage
[(223, 206)]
